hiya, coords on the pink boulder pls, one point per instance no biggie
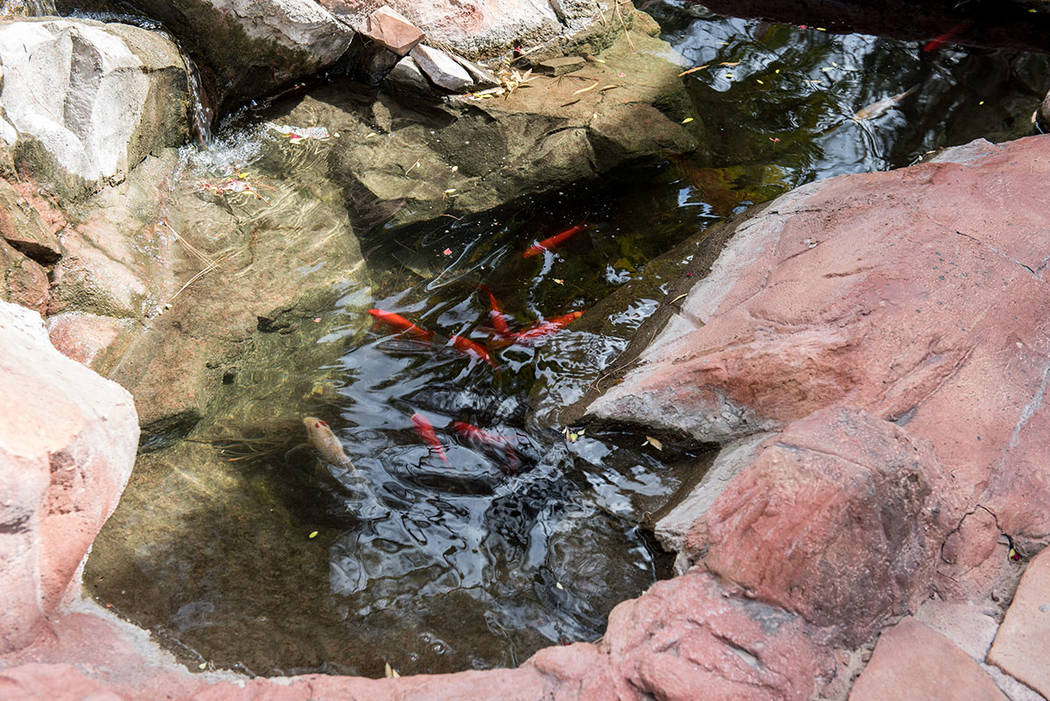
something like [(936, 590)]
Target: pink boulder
[(1023, 641), (917, 296), (67, 445), (834, 519)]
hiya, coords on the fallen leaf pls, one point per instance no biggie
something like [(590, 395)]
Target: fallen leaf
[(390, 672), (313, 534), (589, 87), (759, 81), (450, 191), (729, 63), (558, 585), (687, 120), (447, 251), (693, 70), (654, 443), (559, 282), (202, 665)]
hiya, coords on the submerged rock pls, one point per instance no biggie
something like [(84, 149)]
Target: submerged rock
[(84, 102)]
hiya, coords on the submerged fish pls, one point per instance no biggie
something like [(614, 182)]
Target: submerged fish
[(881, 107), (325, 442), (545, 328), (549, 243), (401, 324), (942, 39), (479, 438), (465, 345), (499, 321), (426, 431)]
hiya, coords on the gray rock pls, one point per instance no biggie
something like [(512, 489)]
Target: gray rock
[(407, 74), (85, 101), (253, 46), (442, 69)]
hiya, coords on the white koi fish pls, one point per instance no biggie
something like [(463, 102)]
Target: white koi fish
[(325, 442), (881, 107)]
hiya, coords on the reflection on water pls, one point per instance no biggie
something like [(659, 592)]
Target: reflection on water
[(528, 537)]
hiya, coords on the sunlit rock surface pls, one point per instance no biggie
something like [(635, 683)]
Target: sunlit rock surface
[(893, 326), (83, 102), (67, 444), (249, 48), (491, 26)]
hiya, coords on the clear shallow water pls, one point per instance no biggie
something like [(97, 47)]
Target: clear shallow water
[(477, 562)]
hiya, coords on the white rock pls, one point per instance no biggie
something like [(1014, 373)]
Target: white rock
[(442, 69), (96, 97)]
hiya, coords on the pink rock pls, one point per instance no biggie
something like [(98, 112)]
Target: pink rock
[(392, 30), (834, 519), (918, 296), (911, 661), (22, 280), (82, 336), (1021, 645), (67, 443)]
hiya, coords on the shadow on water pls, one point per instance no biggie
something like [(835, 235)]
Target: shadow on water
[(276, 562)]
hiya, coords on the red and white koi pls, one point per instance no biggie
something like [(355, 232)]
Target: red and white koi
[(325, 442), (401, 324), (426, 431), (549, 243)]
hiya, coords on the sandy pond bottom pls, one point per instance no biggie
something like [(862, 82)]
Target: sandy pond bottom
[(242, 550)]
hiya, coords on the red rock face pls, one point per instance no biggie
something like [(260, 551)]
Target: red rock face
[(834, 519), (917, 296)]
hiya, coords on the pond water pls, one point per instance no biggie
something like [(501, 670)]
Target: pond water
[(479, 554)]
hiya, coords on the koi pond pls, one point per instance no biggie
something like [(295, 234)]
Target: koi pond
[(473, 528)]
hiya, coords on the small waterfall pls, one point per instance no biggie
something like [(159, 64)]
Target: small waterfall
[(203, 114)]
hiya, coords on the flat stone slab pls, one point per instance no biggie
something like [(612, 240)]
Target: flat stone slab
[(1022, 645), (442, 69), (912, 661), (561, 65)]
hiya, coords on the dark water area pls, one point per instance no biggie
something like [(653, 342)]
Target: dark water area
[(480, 558)]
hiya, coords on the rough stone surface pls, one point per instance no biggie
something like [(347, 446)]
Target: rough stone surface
[(911, 661), (848, 496), (673, 526), (248, 48), (972, 628), (85, 101), (23, 226), (22, 280), (442, 69), (392, 30), (489, 27), (83, 336), (901, 294), (67, 444), (1024, 637)]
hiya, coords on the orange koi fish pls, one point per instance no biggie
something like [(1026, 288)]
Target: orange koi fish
[(545, 328), (942, 39), (478, 437), (549, 243), (465, 345), (499, 322), (425, 429), (401, 324)]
